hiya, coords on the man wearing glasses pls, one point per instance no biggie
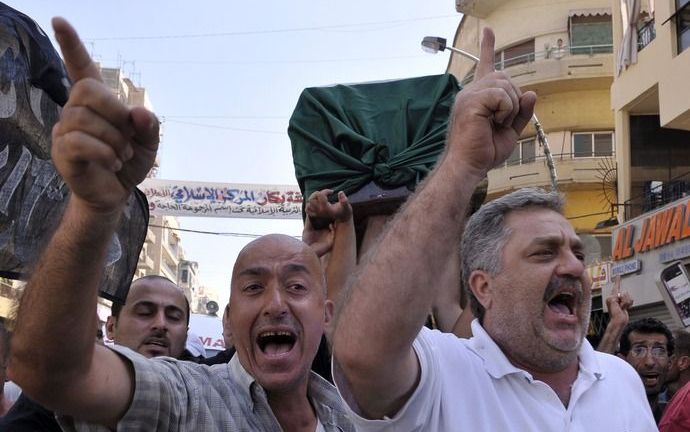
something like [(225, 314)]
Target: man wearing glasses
[(647, 344)]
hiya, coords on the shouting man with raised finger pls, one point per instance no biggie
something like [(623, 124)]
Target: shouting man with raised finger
[(528, 367), (277, 315)]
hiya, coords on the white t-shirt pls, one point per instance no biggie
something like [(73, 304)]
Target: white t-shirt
[(319, 426), (470, 385)]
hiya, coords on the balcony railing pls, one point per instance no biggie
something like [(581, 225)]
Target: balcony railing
[(645, 35), (556, 157), (556, 53), (170, 271), (591, 49), (145, 262), (655, 196), (571, 169)]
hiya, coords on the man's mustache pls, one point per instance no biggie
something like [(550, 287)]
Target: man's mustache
[(559, 284)]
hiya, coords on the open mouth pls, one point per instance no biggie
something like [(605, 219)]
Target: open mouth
[(563, 303), (650, 380), (157, 342), (274, 343)]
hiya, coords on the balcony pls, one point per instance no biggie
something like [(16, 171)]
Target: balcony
[(172, 252), (145, 262), (150, 237), (555, 63), (645, 35), (570, 170), (169, 270), (654, 194), (479, 9)]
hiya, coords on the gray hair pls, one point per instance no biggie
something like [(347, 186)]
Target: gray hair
[(486, 234)]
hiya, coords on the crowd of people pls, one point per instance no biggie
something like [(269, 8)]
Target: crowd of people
[(296, 307)]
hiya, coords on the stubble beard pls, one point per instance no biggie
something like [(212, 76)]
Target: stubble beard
[(557, 354), (529, 345)]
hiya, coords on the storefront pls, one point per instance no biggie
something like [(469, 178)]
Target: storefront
[(651, 253)]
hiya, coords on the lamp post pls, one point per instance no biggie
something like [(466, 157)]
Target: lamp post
[(434, 44)]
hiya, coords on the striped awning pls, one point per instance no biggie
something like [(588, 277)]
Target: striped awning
[(589, 12)]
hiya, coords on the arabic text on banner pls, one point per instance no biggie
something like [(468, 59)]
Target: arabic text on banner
[(188, 198)]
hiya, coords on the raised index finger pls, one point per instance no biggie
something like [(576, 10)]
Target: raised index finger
[(486, 54), (616, 290), (77, 59)]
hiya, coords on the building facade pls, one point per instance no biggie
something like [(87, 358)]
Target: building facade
[(651, 106), (188, 279)]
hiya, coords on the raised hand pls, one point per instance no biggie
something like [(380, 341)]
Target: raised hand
[(488, 115), (318, 206), (101, 147), (320, 235), (618, 303)]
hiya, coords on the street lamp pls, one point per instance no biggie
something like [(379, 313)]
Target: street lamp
[(434, 44)]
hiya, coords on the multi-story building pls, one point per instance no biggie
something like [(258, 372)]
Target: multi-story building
[(564, 52), (164, 247), (651, 105), (188, 278)]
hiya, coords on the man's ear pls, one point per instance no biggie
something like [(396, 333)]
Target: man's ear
[(329, 310), (683, 362), (226, 316), (110, 325), (227, 332), (328, 321), (480, 284)]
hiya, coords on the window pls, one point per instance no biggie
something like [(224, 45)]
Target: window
[(591, 34), (185, 276), (515, 55), (592, 144), (525, 152), (683, 24)]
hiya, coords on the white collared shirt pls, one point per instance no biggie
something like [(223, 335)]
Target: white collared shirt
[(471, 385)]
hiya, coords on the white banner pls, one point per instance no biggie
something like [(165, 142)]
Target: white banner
[(188, 198)]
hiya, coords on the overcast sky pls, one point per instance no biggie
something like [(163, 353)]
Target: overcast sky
[(224, 76)]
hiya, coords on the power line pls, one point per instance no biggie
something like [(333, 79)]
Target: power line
[(255, 32), (234, 117), (210, 126), (273, 62), (228, 234)]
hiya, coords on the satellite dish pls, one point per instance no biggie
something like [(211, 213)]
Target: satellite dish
[(212, 307)]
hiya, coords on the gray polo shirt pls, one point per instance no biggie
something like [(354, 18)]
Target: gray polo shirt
[(172, 395)]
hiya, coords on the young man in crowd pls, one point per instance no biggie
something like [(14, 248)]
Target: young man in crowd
[(647, 344), (154, 319)]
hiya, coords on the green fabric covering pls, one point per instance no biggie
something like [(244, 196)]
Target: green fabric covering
[(392, 132)]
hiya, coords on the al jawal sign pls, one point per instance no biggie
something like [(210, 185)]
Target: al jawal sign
[(188, 198), (662, 230), (646, 246)]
